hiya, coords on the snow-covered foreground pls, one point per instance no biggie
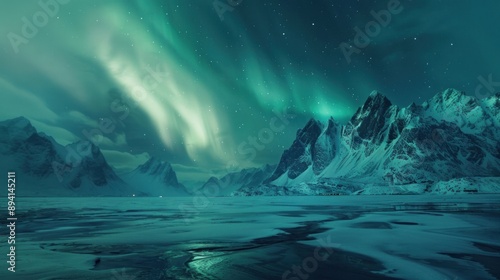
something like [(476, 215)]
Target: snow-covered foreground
[(339, 237)]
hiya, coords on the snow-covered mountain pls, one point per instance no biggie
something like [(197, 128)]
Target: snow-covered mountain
[(238, 181), (155, 178), (450, 136), (314, 148), (46, 168)]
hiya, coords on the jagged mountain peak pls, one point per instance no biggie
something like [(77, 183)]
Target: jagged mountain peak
[(313, 126), (306, 149), (17, 122), (413, 107), (493, 103), (451, 93), (155, 166), (375, 93), (212, 179), (313, 123), (370, 119), (375, 106), (470, 114), (16, 129), (157, 170), (155, 177), (376, 98), (449, 98), (331, 123), (309, 133)]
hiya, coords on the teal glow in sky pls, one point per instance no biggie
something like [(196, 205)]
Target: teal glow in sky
[(171, 79)]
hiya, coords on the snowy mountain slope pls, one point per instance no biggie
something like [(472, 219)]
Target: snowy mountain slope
[(450, 136), (47, 168), (154, 178), (472, 115), (235, 181), (467, 185), (299, 156), (316, 145)]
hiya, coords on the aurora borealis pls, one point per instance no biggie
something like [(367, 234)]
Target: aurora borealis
[(179, 83)]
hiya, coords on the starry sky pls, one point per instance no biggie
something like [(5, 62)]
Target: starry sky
[(212, 86)]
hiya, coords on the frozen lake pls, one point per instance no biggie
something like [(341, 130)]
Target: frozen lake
[(238, 238)]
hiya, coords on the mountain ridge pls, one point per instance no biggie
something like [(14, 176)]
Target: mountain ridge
[(155, 178), (77, 169), (450, 136)]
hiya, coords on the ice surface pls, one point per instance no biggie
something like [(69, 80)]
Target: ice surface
[(370, 237)]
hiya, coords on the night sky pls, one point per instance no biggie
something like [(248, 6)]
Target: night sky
[(196, 84)]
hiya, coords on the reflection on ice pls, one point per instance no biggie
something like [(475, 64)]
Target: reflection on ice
[(446, 206)]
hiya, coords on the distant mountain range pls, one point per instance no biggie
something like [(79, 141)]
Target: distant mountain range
[(155, 178), (46, 168), (449, 144), (237, 181)]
